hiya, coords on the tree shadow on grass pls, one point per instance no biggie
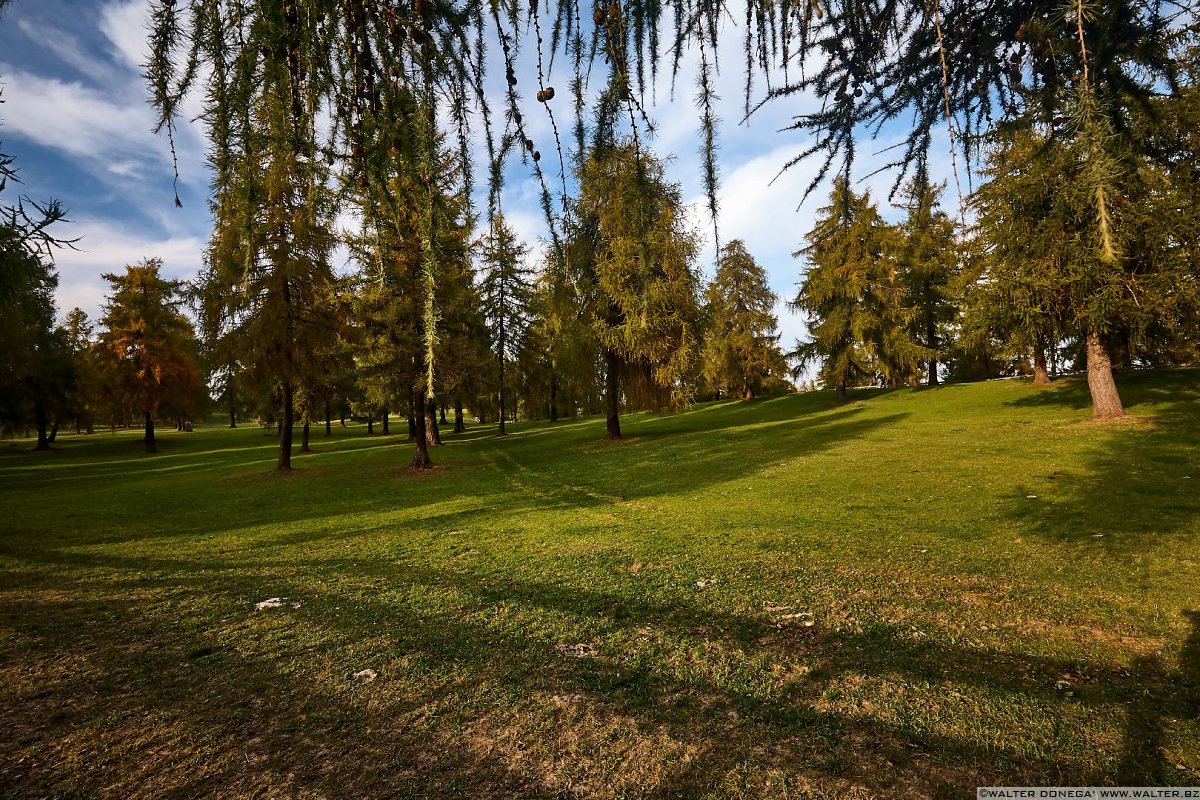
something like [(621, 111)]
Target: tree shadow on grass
[(473, 702), (680, 460), (1140, 483), (1137, 387)]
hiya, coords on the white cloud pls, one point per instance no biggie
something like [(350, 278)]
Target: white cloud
[(67, 48), (107, 247), (124, 24)]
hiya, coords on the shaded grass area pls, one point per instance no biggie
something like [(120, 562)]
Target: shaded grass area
[(913, 594)]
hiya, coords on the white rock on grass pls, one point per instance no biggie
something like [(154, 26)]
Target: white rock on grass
[(366, 675), (270, 602)]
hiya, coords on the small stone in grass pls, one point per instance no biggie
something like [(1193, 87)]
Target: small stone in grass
[(580, 650), (271, 602), (366, 675), (704, 583)]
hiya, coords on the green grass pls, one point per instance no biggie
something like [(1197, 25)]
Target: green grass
[(910, 595)]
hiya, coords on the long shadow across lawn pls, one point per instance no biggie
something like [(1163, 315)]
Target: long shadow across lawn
[(1141, 481), (260, 715)]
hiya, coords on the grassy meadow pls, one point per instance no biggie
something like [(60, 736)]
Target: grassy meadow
[(909, 595)]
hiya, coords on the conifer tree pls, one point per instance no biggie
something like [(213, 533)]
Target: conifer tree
[(149, 342), (506, 291), (928, 266), (741, 349), (852, 297), (632, 256), (35, 362)]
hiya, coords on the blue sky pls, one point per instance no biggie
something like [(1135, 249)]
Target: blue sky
[(77, 119)]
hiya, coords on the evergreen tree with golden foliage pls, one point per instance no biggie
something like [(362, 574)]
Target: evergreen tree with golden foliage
[(149, 343)]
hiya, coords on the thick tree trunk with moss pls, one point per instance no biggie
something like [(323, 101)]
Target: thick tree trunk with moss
[(285, 430), (149, 437), (612, 394), (1106, 402)]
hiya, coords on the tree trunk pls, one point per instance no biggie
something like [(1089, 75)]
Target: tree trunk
[(328, 422), (431, 424), (53, 431), (285, 430), (387, 430), (442, 412), (459, 424), (747, 392), (304, 448), (553, 397), (841, 391), (149, 437), (1106, 403), (370, 424), (421, 459), (342, 417), (931, 334), (232, 417), (43, 442), (612, 394), (502, 416), (1040, 376)]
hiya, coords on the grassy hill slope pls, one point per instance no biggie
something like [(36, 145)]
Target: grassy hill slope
[(910, 595)]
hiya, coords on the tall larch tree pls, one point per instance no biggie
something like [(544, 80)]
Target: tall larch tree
[(507, 288), (928, 268), (632, 258), (741, 347), (149, 342), (852, 297)]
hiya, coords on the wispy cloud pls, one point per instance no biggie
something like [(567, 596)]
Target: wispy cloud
[(69, 49)]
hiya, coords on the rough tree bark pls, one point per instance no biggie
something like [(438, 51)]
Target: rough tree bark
[(432, 432), (285, 430), (1040, 376), (421, 459), (841, 391), (387, 428), (1106, 402), (612, 394)]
